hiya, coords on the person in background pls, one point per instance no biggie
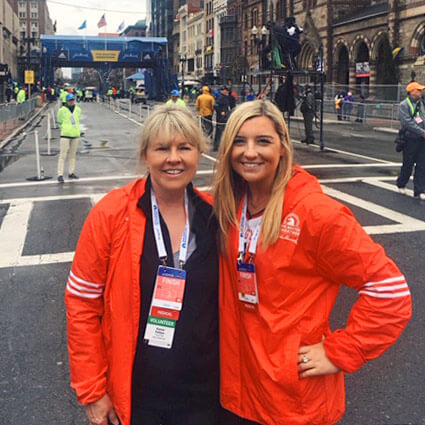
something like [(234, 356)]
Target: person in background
[(361, 109), (307, 108), (62, 96), (15, 90), (205, 106), (21, 97), (286, 250), (339, 103), (411, 113), (132, 92), (137, 355), (222, 108), (175, 99), (347, 106), (9, 93), (69, 123)]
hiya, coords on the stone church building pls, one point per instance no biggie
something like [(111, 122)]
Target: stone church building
[(357, 37)]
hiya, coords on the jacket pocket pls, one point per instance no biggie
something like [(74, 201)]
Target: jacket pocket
[(288, 375)]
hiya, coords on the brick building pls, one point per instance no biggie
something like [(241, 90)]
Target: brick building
[(34, 20), (136, 30)]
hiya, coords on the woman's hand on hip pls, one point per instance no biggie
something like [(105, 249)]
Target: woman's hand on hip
[(102, 412), (312, 361)]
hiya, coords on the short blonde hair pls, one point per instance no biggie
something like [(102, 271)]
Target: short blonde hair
[(167, 121), (229, 188)]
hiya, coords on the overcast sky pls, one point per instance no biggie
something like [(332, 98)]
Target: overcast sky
[(69, 16)]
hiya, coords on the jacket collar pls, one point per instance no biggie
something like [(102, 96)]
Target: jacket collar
[(199, 201)]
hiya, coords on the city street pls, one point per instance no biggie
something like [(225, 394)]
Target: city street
[(40, 223)]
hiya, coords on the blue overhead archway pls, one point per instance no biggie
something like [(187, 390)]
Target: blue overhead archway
[(107, 53)]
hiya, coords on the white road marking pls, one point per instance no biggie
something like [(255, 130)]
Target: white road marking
[(12, 233), (19, 201), (82, 179), (386, 186), (410, 224), (87, 179), (310, 166), (211, 158), (347, 153)]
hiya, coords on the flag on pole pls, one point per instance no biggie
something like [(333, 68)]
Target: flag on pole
[(83, 25), (121, 27), (102, 22)]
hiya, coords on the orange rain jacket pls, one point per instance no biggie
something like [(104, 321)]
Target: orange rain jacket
[(103, 299), (321, 247)]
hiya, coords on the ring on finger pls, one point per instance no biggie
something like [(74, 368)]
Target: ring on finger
[(305, 359)]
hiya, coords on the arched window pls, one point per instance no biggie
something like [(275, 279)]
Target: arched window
[(281, 10), (422, 45)]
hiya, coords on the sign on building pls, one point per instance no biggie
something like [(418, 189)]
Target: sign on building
[(362, 69)]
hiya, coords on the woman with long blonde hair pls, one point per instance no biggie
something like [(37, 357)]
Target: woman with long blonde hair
[(286, 248)]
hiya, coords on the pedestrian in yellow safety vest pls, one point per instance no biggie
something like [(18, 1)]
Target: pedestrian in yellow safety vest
[(62, 96), (69, 123), (21, 97), (175, 99)]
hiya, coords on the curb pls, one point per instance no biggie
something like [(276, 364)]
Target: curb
[(17, 130)]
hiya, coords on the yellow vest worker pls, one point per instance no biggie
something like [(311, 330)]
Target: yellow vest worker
[(69, 123), (175, 99)]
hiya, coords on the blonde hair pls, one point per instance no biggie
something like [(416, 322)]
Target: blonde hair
[(229, 187), (167, 121)]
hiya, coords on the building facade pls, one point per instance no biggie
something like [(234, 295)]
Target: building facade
[(137, 30), (209, 65), (34, 20), (195, 45), (190, 31), (360, 38), (9, 36), (220, 10)]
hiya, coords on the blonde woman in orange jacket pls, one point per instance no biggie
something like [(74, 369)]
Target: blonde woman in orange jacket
[(142, 293), (286, 250)]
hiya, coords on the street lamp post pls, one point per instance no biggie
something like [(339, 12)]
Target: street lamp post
[(259, 42), (182, 59)]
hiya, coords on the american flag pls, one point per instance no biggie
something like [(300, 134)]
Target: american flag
[(102, 22)]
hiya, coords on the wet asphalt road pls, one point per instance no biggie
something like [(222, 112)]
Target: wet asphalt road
[(45, 218)]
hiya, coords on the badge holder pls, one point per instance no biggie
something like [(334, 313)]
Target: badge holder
[(168, 295), (247, 283)]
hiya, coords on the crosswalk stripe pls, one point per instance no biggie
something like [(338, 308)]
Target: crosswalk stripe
[(13, 232)]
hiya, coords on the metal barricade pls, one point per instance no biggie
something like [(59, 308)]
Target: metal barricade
[(12, 113)]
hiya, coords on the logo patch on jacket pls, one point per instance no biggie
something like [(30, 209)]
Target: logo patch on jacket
[(290, 229)]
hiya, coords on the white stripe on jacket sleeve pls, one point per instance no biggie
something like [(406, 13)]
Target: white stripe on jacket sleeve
[(382, 289), (84, 288)]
